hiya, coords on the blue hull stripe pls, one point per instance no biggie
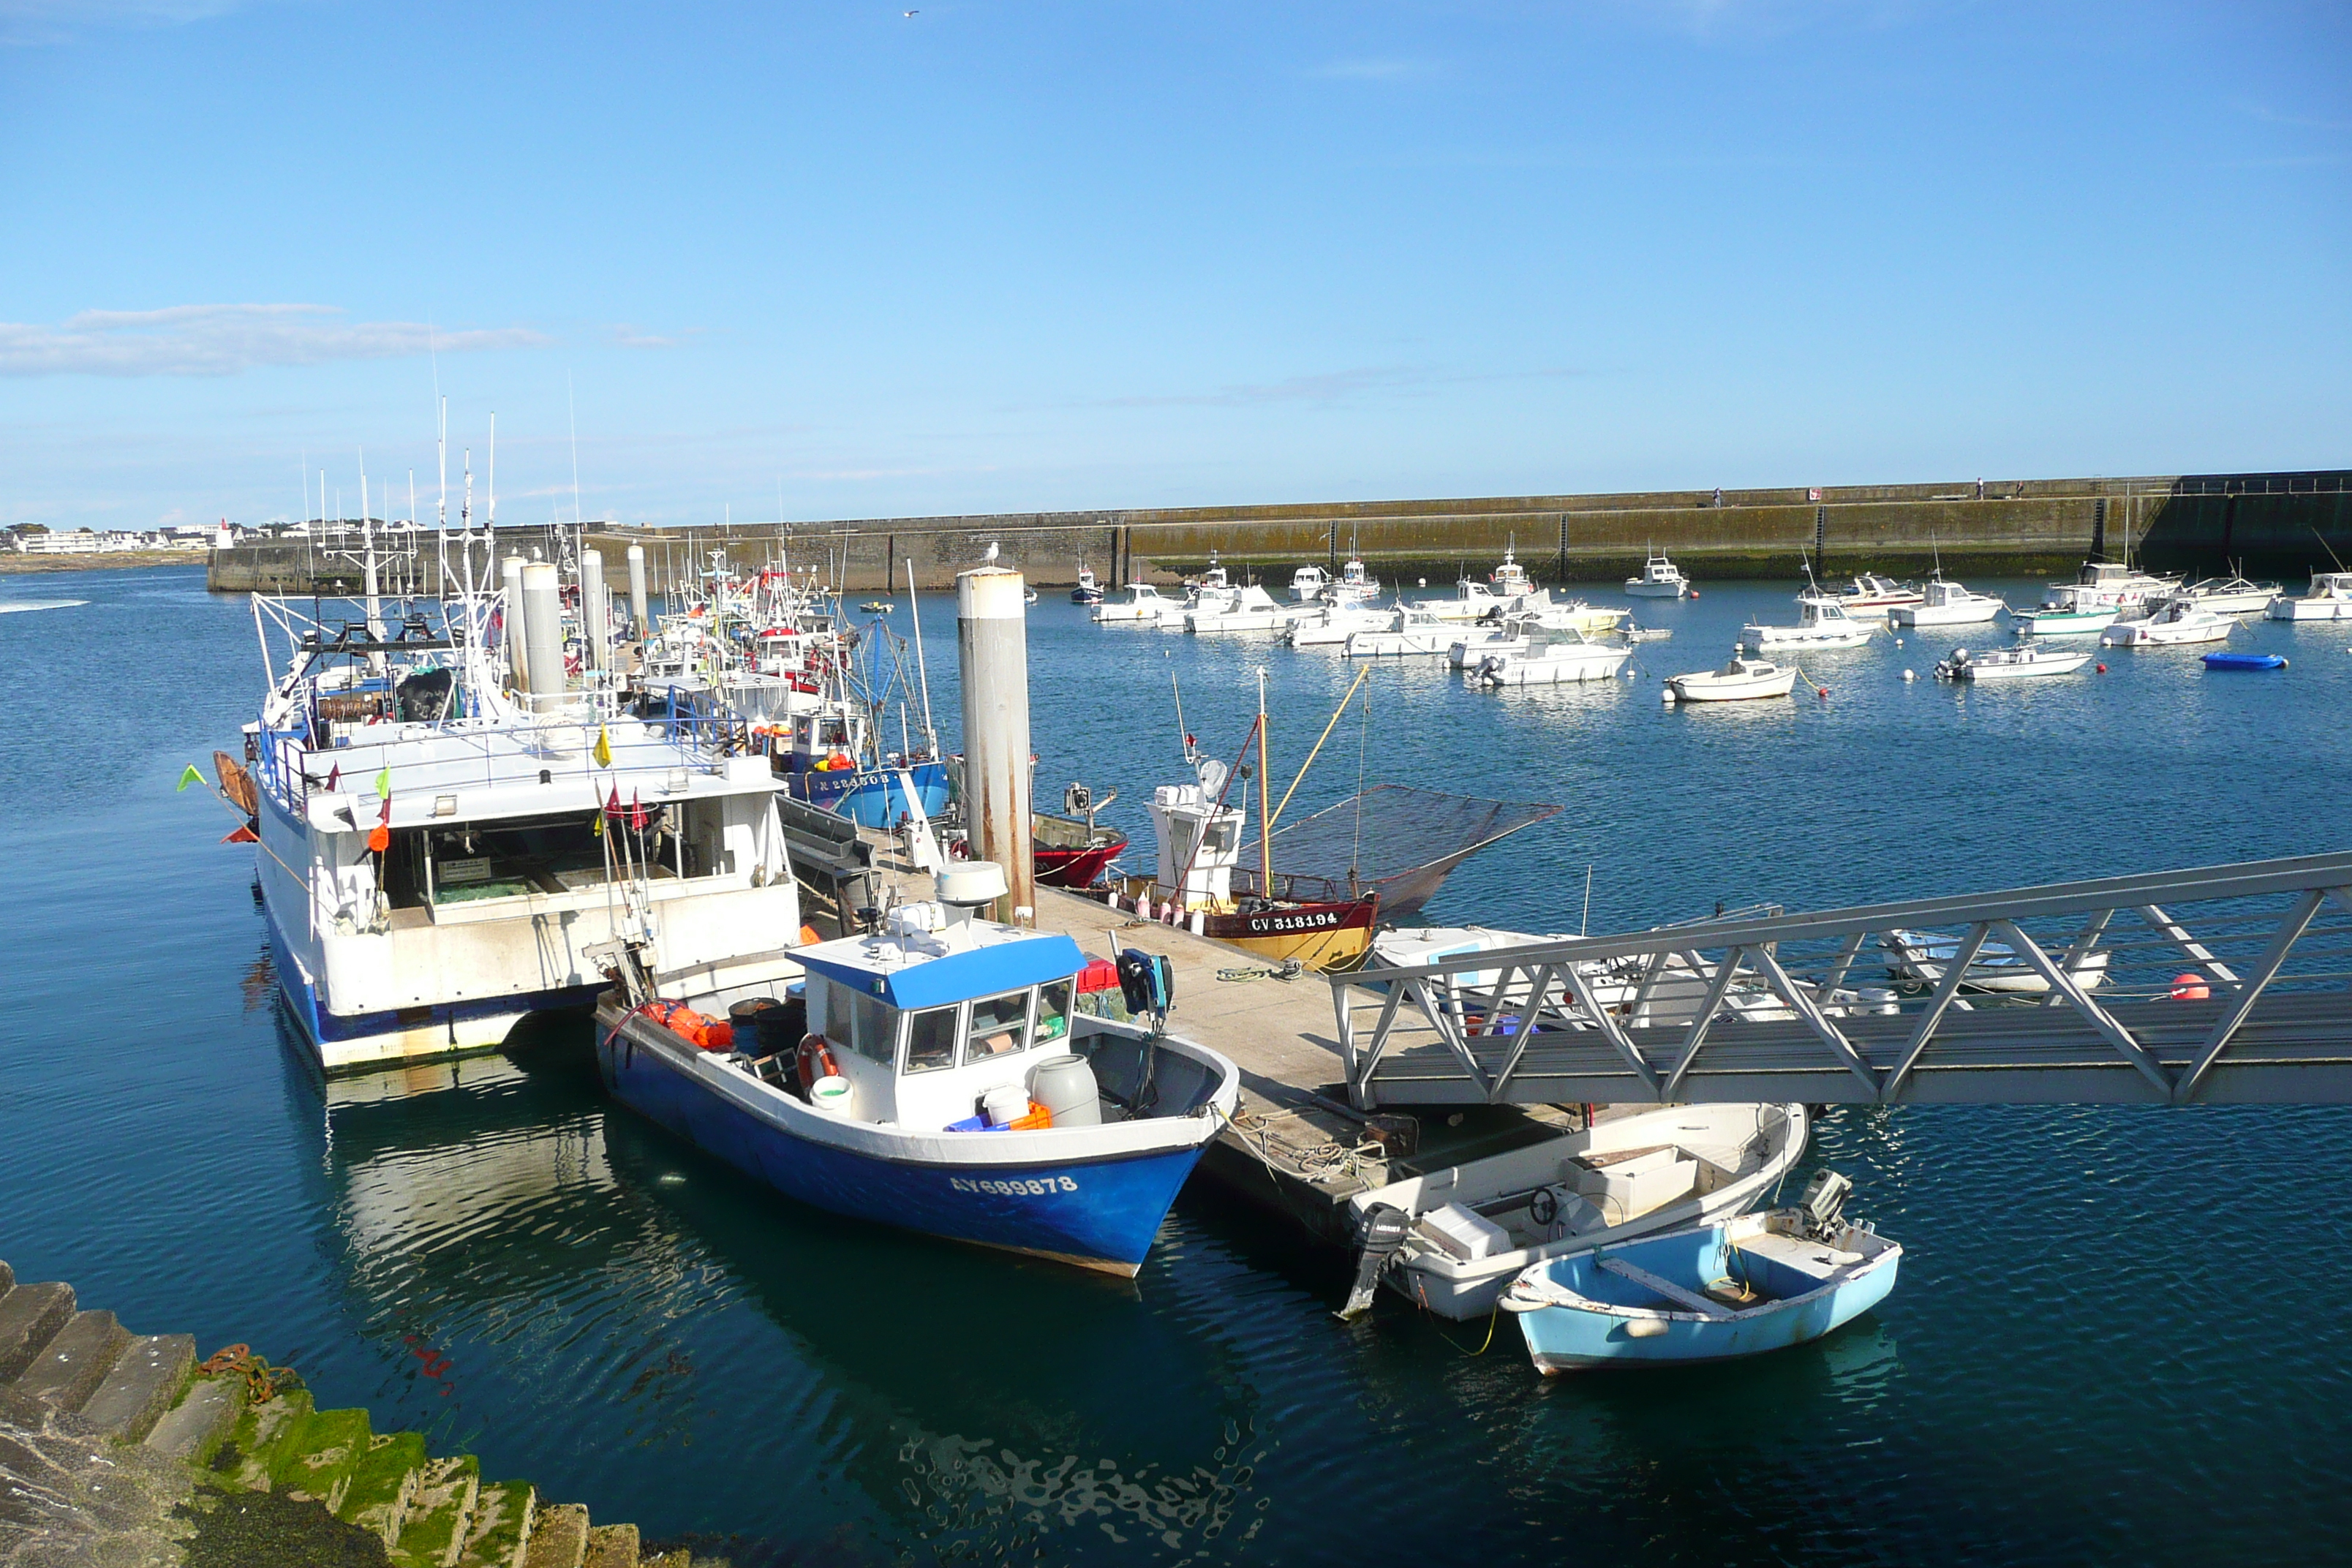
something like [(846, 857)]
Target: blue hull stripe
[(1104, 1212), (872, 799)]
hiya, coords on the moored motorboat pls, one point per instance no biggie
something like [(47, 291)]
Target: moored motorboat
[(1144, 606), (1333, 624), (1555, 663), (1456, 1238), (1822, 625), (1089, 589), (1071, 851), (946, 1083), (2022, 663), (1948, 604), (2101, 593), (1740, 679), (1417, 631), (2328, 598), (2169, 623), (1873, 595), (2233, 596), (1472, 648), (1711, 1292), (1659, 579), (1924, 957), (1244, 609)]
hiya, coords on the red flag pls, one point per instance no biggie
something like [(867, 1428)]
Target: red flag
[(335, 776), (243, 835), (637, 813), (613, 803), (387, 817)]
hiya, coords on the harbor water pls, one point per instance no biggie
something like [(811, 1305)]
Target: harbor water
[(2118, 1335)]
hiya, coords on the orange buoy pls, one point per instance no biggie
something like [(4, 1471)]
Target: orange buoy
[(2190, 988)]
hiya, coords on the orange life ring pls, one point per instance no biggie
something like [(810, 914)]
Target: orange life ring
[(813, 1061)]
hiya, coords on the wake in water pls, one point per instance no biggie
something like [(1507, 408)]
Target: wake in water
[(6, 608)]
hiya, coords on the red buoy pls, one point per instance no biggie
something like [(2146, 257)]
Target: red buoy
[(2102, 669), (2190, 988)]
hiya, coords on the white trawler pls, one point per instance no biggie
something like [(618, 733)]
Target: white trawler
[(456, 808)]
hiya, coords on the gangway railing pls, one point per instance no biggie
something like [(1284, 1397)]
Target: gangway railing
[(2222, 983)]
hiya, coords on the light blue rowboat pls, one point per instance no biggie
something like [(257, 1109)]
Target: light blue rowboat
[(1712, 1292)]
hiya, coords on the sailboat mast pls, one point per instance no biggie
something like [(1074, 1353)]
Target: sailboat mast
[(1264, 813)]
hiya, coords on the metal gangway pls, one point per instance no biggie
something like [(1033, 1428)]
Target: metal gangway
[(2225, 983)]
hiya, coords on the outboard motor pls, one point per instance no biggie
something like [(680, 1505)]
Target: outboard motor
[(1146, 982), (1385, 1229), (1823, 1202)]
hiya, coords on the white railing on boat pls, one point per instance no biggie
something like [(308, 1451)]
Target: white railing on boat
[(2222, 983)]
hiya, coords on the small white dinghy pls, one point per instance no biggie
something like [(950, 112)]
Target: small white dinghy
[(1713, 1292), (2024, 662), (1741, 679)]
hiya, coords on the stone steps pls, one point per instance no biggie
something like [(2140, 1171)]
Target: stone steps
[(144, 1389)]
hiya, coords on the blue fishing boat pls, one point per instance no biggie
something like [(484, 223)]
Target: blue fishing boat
[(937, 1077), (2244, 661), (1711, 1292), (823, 758)]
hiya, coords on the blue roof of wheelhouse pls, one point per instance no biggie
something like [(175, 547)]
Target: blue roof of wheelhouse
[(940, 982)]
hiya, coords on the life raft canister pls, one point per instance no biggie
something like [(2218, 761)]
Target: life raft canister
[(813, 1061)]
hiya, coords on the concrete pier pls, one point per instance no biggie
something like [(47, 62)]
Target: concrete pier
[(2274, 522)]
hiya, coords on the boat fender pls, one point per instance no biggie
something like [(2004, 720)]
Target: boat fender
[(812, 1061), (1645, 1328)]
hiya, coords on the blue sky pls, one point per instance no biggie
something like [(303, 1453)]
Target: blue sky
[(998, 256)]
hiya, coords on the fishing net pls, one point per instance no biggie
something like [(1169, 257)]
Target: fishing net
[(1394, 839)]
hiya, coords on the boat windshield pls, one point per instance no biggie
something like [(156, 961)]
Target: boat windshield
[(1054, 1011)]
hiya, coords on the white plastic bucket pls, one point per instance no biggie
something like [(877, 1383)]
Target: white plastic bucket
[(831, 1094)]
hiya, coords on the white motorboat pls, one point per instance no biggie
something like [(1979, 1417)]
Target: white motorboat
[(1574, 615), (1334, 624), (1356, 587), (1144, 606), (1308, 585), (2025, 662), (1456, 1237), (2231, 595), (2329, 598), (1481, 643), (1554, 664), (1821, 623), (1873, 595), (1506, 590), (1417, 632), (2099, 595), (1660, 579), (1735, 682), (1922, 958), (1250, 609), (1946, 603), (2170, 623)]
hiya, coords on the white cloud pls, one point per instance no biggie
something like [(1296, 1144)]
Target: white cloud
[(54, 21), (223, 340)]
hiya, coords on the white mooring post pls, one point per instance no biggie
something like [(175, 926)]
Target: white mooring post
[(518, 658), (992, 637), (543, 629), (639, 627), (595, 618)]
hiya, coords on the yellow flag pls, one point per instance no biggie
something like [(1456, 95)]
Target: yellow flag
[(603, 748)]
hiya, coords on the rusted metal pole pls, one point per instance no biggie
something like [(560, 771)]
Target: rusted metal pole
[(992, 639)]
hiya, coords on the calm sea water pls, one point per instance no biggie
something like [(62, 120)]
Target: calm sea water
[(2118, 1334)]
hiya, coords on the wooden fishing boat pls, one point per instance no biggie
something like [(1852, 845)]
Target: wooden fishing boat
[(1713, 1292), (1071, 851)]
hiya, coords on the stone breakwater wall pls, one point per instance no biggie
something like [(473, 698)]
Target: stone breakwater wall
[(2279, 524)]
